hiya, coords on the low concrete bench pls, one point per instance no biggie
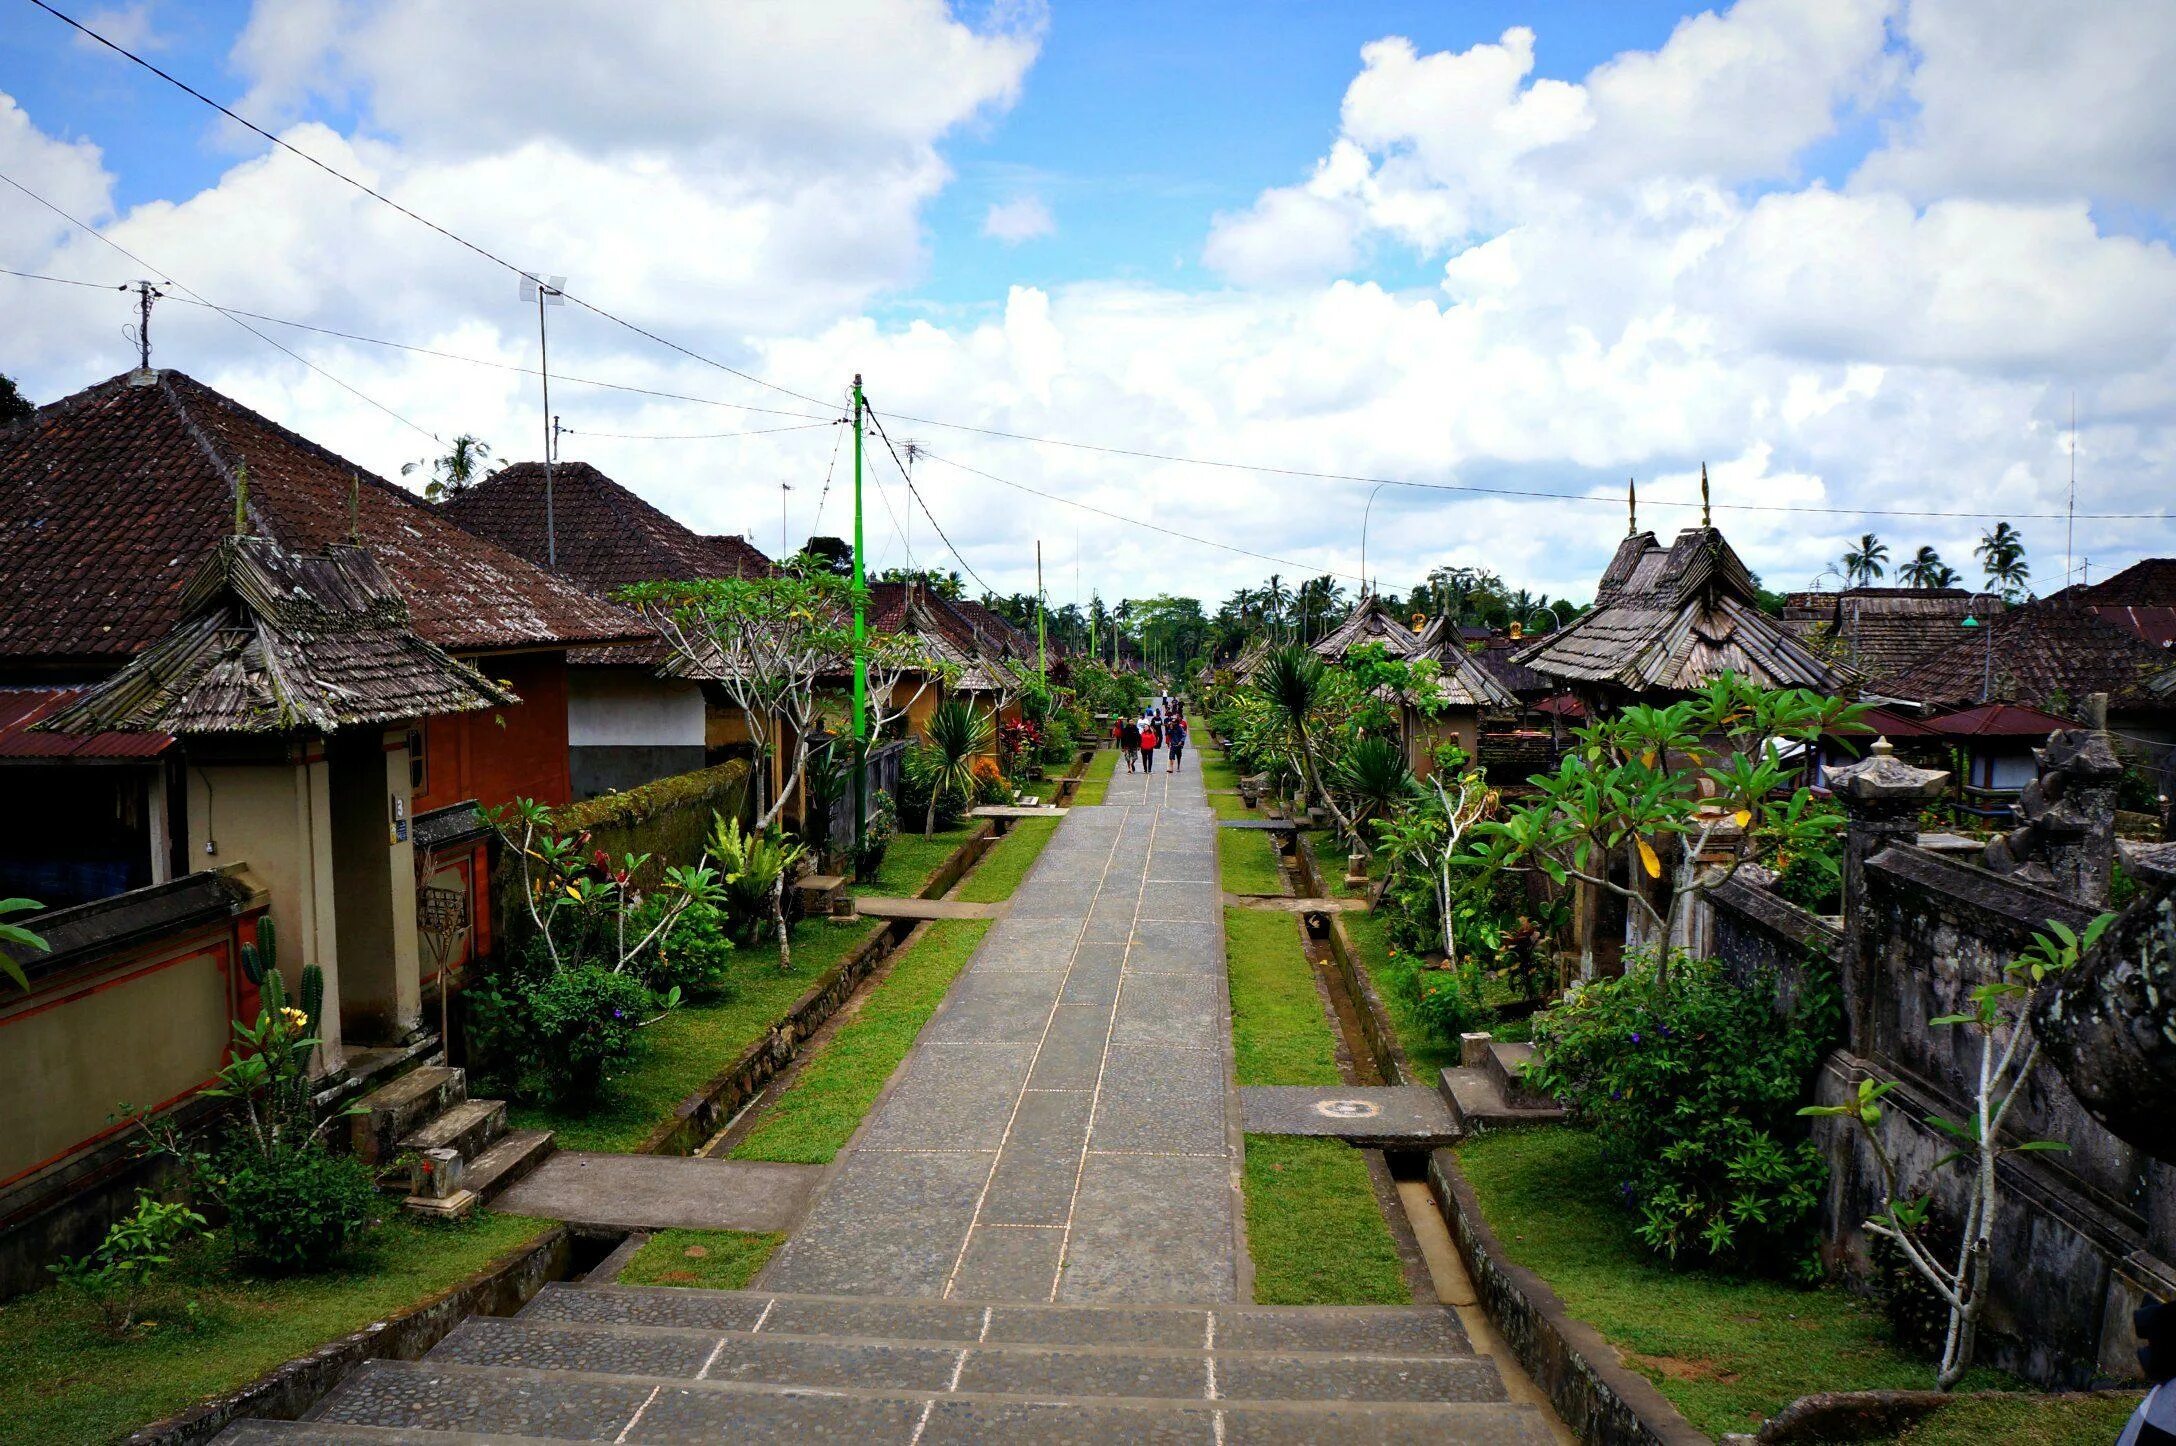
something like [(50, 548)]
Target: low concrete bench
[(824, 894)]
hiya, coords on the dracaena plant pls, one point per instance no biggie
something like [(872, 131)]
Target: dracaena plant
[(2006, 1052), (1683, 787)]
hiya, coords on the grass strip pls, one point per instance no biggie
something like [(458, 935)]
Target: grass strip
[(1095, 783), (2024, 1419), (810, 1122), (1314, 1228), (911, 860), (1246, 860), (1218, 771), (1280, 1035), (68, 1381), (1008, 861), (1392, 974), (1728, 1351), (701, 1259), (694, 1042)]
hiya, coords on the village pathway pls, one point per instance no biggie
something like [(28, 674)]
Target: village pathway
[(1065, 1128)]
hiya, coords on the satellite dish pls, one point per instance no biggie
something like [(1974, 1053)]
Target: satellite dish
[(554, 288)]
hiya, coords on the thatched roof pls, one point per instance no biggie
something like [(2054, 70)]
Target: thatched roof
[(1461, 682), (272, 641), (1670, 619), (1368, 622), (1882, 631)]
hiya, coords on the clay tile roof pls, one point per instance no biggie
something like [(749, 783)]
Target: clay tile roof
[(23, 709), (1883, 631), (2141, 598), (272, 641), (109, 498), (606, 537), (2045, 654), (1671, 619)]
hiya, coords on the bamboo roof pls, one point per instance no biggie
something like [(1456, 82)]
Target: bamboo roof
[(272, 641)]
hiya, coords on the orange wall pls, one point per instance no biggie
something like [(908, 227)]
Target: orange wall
[(476, 755)]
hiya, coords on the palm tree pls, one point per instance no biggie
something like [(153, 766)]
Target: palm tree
[(2002, 554), (1866, 563), (1274, 596), (1291, 684), (1926, 569), (462, 467), (958, 735), (1374, 779)]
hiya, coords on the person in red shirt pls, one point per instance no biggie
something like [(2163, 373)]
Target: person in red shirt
[(1149, 741)]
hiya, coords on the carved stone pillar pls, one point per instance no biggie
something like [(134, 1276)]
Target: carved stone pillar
[(1881, 797)]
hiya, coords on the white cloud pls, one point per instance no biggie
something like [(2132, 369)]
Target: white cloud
[(1024, 218), (128, 26)]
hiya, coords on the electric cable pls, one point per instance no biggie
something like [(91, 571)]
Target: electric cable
[(914, 494)]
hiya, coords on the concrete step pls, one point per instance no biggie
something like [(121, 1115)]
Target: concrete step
[(421, 1399), (1080, 1372), (1507, 1063), (394, 1110), (467, 1129), (1372, 1330), (1477, 1102), (511, 1157)]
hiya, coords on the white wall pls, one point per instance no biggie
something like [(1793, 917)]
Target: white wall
[(631, 707)]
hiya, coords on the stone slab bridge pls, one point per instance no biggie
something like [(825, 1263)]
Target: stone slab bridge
[(1037, 1234)]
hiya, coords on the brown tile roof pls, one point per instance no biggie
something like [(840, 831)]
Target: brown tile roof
[(1883, 631), (2141, 598), (607, 537), (23, 709), (110, 497), (272, 641), (1669, 619), (2047, 654)]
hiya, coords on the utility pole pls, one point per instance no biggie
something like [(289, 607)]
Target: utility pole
[(146, 293), (861, 645), (547, 293), (1042, 651)]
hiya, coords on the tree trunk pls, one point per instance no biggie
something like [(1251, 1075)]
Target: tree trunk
[(778, 918)]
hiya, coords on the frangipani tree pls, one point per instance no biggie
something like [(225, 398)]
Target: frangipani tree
[(1698, 777)]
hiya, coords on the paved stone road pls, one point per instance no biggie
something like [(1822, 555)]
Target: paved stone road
[(1064, 1129)]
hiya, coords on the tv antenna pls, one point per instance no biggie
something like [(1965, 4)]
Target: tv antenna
[(140, 333), (546, 291)]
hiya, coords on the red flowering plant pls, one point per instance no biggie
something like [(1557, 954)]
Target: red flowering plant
[(1017, 740)]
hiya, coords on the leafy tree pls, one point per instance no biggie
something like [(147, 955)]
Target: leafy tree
[(828, 555), (1866, 563), (466, 462), (18, 938), (14, 406), (1293, 684), (2002, 555)]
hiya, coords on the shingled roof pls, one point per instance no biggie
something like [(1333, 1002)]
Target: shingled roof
[(110, 497), (1882, 631), (2045, 654), (1368, 622), (275, 642), (607, 538), (1461, 681), (1669, 619), (2141, 598)]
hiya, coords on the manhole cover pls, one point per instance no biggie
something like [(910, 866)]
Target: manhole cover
[(1348, 1109)]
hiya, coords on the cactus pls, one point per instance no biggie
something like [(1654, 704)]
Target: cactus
[(313, 994), (261, 960)]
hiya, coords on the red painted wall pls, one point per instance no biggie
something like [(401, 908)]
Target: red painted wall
[(502, 754)]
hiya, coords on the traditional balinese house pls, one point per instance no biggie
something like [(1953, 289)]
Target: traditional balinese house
[(1464, 692), (1881, 632), (969, 660), (1667, 620), (628, 719)]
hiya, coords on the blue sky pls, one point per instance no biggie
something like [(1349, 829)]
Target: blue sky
[(1850, 253)]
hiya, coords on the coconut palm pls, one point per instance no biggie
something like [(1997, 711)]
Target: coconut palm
[(1273, 597), (1291, 682), (957, 735), (2002, 554), (1867, 562), (1926, 569), (466, 462)]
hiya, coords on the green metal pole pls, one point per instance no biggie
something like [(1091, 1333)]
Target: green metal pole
[(1042, 651), (861, 645)]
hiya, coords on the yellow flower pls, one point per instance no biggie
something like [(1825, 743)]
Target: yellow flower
[(294, 1016)]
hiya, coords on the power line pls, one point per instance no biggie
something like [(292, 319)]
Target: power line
[(231, 316), (380, 196), (1135, 521), (66, 280), (914, 494), (699, 436)]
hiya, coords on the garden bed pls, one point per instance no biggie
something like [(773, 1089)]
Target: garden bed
[(260, 1346)]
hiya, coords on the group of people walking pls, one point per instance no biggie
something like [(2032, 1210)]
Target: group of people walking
[(1161, 727)]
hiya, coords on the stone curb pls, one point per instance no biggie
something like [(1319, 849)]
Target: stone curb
[(1599, 1398), (286, 1391)]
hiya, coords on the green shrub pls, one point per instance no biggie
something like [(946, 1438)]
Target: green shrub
[(918, 776), (298, 1210), (558, 1038), (1448, 1001), (1809, 871), (750, 864), (693, 956), (1692, 1088), (877, 834), (137, 1247)]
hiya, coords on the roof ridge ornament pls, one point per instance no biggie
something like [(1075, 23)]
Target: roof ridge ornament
[(1705, 520), (1631, 507)]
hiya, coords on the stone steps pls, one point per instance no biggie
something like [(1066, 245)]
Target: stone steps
[(395, 1110), (654, 1364), (460, 1150)]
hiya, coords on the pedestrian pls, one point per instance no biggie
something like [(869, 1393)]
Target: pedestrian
[(1175, 740), (1149, 741), (2155, 1419), (1129, 742)]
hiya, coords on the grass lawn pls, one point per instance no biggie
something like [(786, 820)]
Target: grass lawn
[(911, 859), (1427, 1052), (1280, 1035), (704, 1259), (1228, 805), (1096, 781), (809, 1123), (2026, 1420), (1218, 771), (1313, 1228), (694, 1042), (1008, 861), (67, 1381), (1246, 859), (1727, 1351)]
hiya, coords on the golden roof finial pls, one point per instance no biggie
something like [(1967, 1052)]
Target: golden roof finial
[(1631, 506), (1704, 520)]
